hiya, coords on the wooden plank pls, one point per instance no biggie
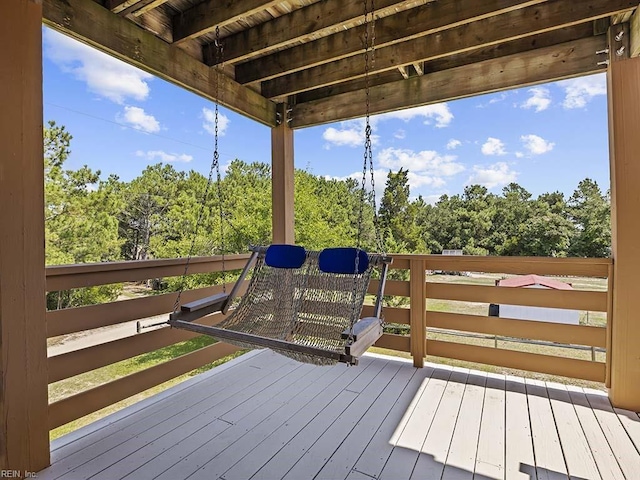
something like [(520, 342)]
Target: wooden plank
[(551, 364), (631, 424), (91, 23), (433, 453), (322, 17), (282, 182), (233, 443), (24, 441), (65, 277), (494, 30), (378, 450), (534, 297), (343, 459), (577, 453), (133, 7), (301, 428), (531, 329), (452, 61), (418, 310), (490, 458), (81, 404), (624, 109), (578, 267), (204, 17), (609, 326), (623, 448), (461, 458), (634, 34), (513, 71), (214, 391), (77, 319), (601, 450), (409, 436), (399, 343), (550, 462), (163, 436), (83, 360), (314, 459), (389, 314), (519, 457), (415, 22), (396, 288)]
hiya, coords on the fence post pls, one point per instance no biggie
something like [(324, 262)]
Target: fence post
[(418, 306)]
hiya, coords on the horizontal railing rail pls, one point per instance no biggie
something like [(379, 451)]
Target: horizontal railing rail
[(419, 319)]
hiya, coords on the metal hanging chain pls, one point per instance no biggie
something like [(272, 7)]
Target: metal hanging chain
[(215, 168), (367, 156)]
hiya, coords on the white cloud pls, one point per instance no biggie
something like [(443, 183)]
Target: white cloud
[(164, 156), (540, 99), (350, 137), (536, 145), (432, 199), (103, 74), (499, 98), (208, 121), (453, 144), (493, 146), (137, 118), (426, 162), (400, 134), (438, 113), (519, 154), (495, 175), (350, 134), (580, 91)]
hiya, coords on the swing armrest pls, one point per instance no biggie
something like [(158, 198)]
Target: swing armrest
[(199, 308), (365, 333)]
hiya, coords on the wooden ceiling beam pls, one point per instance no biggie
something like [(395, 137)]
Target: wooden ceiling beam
[(204, 17), (514, 71), (416, 22), (482, 54), (489, 31), (315, 18), (89, 22)]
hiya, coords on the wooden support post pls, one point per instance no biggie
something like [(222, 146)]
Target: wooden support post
[(418, 287), (282, 180), (24, 426), (624, 141)]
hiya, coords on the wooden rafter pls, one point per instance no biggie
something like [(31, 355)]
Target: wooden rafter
[(133, 7), (514, 47), (206, 16), (513, 71), (489, 31), (414, 23), (93, 24), (287, 29)]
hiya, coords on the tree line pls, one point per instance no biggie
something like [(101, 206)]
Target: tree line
[(91, 219)]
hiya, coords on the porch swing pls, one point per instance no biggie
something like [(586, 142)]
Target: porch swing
[(302, 304)]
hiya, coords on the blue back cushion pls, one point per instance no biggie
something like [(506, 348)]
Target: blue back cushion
[(285, 256), (343, 260)]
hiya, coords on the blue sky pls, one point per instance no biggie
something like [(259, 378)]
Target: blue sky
[(546, 138)]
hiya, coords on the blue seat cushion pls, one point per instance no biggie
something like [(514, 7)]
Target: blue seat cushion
[(285, 256), (343, 260)]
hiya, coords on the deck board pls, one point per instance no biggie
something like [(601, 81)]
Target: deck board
[(268, 417)]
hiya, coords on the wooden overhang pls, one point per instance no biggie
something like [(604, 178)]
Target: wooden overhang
[(309, 54)]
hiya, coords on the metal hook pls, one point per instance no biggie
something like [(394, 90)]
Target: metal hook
[(604, 62), (620, 51), (619, 36), (602, 52)]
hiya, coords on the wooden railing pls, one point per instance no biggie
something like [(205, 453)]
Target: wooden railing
[(422, 319), (419, 289)]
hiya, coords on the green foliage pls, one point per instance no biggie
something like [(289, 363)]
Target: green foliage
[(89, 219)]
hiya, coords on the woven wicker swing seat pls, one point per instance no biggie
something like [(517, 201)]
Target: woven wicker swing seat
[(303, 304)]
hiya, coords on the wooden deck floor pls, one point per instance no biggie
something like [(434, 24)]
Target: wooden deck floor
[(266, 417)]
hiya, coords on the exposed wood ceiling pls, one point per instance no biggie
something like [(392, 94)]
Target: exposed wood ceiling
[(310, 53)]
